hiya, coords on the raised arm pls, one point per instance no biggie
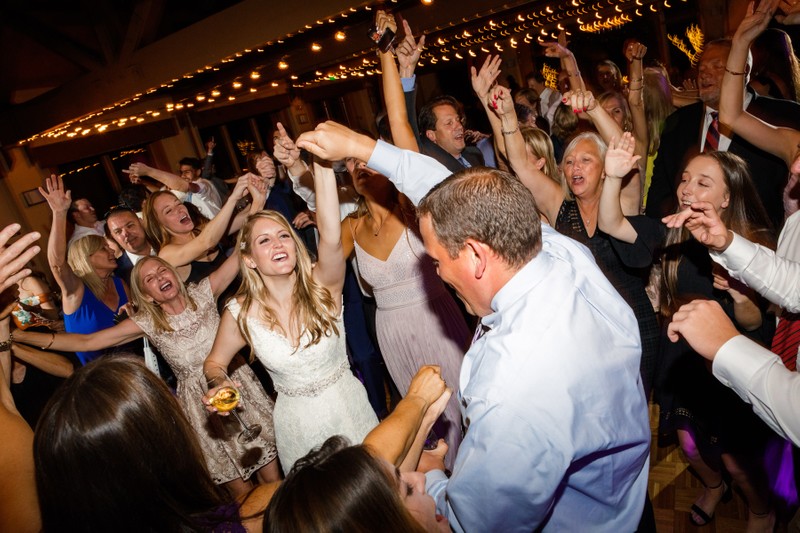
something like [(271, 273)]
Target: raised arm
[(208, 162), (257, 187), (635, 52), (223, 276), (14, 257), (330, 268), (620, 161), (228, 342), (287, 154), (412, 173), (394, 98), (607, 127), (125, 331), (394, 437), (171, 181), (59, 200), (559, 49), (482, 82), (782, 142), (546, 192), (182, 254)]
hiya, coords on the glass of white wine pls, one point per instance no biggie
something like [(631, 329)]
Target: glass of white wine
[(227, 397)]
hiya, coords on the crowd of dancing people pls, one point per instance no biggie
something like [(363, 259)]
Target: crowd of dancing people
[(291, 349)]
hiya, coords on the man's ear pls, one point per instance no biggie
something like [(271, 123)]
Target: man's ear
[(478, 254), (431, 135)]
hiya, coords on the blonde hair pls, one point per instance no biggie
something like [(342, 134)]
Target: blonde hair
[(627, 119), (78, 259), (145, 306), (312, 304), (542, 146), (657, 105)]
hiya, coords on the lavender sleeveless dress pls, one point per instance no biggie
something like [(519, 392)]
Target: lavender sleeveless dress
[(418, 323)]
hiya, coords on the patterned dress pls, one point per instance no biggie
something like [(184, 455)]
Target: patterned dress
[(185, 349)]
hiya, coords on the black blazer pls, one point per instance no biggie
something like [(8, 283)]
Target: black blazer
[(680, 141), (472, 154)]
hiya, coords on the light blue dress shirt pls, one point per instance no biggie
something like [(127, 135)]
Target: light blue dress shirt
[(557, 434)]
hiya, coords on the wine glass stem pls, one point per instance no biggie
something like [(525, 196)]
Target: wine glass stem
[(241, 422)]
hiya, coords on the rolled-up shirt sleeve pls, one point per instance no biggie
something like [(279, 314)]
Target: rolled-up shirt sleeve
[(760, 379), (775, 278), (412, 173)]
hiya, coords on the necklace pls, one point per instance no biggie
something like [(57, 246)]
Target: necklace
[(586, 220), (380, 226)]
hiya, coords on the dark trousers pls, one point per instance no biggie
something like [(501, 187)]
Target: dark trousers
[(364, 354)]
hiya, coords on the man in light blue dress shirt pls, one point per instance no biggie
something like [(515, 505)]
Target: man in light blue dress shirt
[(557, 433)]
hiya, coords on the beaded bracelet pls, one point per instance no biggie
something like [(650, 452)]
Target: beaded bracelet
[(512, 132)]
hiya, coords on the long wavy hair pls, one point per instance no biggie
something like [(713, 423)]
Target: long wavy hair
[(144, 305), (744, 215), (657, 95), (157, 233), (337, 487), (101, 459), (78, 259), (313, 307)]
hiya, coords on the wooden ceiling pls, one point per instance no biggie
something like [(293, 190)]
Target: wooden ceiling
[(67, 60)]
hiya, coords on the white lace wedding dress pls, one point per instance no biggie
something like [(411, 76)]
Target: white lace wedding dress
[(318, 396)]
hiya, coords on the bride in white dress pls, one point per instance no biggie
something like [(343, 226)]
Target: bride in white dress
[(290, 312)]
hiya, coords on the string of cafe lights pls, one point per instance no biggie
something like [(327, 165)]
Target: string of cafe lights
[(452, 42)]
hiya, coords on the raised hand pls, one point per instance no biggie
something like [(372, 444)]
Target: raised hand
[(557, 49), (620, 159), (14, 257), (703, 221), (635, 51), (484, 79), (790, 13), (210, 145), (304, 219), (332, 141), (581, 101), (755, 20), (266, 167), (240, 189), (500, 101), (384, 20), (58, 198), (408, 51), (285, 150)]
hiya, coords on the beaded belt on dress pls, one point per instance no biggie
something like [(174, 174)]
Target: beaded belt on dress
[(316, 388), (408, 292)]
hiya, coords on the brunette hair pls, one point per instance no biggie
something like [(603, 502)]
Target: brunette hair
[(337, 487), (490, 206), (114, 452), (157, 233), (744, 215), (78, 259), (152, 309), (313, 306), (427, 116)]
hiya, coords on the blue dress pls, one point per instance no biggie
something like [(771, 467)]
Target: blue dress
[(93, 315)]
